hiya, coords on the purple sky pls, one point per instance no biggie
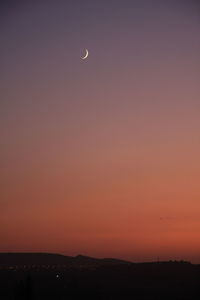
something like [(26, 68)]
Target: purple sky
[(98, 152)]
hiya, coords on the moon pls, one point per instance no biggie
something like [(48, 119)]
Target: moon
[(86, 54)]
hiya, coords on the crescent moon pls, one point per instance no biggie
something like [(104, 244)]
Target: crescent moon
[(86, 54)]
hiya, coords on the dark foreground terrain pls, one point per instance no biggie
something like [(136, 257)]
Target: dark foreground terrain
[(51, 276)]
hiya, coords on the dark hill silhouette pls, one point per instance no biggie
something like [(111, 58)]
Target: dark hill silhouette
[(100, 261), (48, 259), (38, 276)]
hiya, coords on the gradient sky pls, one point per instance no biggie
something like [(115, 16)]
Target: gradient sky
[(101, 156)]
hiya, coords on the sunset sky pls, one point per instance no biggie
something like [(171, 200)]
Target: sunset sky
[(100, 156)]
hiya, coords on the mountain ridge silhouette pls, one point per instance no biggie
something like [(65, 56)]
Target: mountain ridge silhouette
[(43, 258), (8, 259)]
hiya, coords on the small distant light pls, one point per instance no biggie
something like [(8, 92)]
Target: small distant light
[(57, 276)]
